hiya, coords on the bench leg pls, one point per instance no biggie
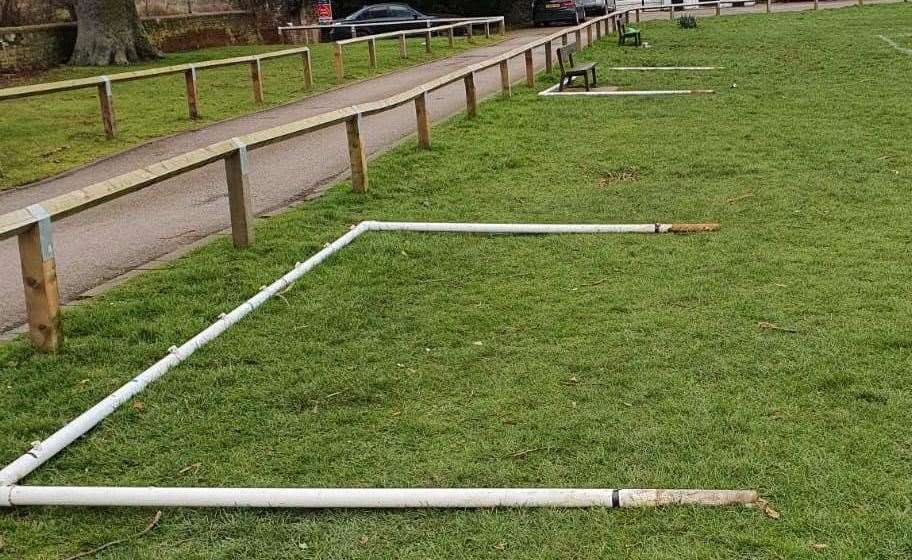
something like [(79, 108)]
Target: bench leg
[(594, 79), (586, 80), (560, 84)]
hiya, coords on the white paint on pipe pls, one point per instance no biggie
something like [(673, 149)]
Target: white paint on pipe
[(44, 450), (515, 229), (367, 497)]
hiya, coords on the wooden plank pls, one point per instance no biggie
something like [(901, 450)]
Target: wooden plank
[(39, 280), (82, 83), (338, 63), (192, 93), (372, 53), (308, 70), (356, 155), (471, 96), (506, 87), (256, 78), (424, 122), (530, 69), (106, 101), (238, 179)]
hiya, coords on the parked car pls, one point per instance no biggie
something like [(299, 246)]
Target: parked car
[(393, 17), (558, 11), (598, 7)]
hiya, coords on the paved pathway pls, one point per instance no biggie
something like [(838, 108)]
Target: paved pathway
[(104, 242)]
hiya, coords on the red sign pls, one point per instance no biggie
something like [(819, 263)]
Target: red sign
[(324, 11)]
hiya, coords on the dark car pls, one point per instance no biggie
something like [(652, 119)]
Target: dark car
[(598, 7), (558, 11), (388, 17)]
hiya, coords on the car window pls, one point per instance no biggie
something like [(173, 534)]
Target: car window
[(401, 12), (375, 13)]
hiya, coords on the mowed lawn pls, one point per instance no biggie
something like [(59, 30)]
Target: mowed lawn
[(35, 143), (565, 361)]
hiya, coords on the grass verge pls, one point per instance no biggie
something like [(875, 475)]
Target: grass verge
[(35, 146), (631, 361)]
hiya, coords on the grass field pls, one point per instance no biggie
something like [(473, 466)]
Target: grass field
[(35, 145), (583, 361)]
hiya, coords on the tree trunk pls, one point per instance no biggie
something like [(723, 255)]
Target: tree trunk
[(110, 32)]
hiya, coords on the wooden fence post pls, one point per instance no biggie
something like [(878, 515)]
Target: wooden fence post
[(549, 57), (256, 76), (238, 179), (579, 39), (192, 92), (39, 278), (424, 123), (614, 24), (469, 33), (598, 30), (427, 41), (338, 63), (451, 36), (530, 69), (106, 100), (506, 86), (403, 47), (372, 53), (637, 14), (308, 70), (471, 99), (816, 5), (719, 8), (487, 30), (768, 6), (564, 39), (589, 35), (356, 154), (503, 26)]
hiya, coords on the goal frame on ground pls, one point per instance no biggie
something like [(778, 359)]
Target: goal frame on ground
[(14, 494)]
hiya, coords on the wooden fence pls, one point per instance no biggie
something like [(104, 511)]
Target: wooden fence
[(287, 31), (33, 225), (106, 94), (450, 29)]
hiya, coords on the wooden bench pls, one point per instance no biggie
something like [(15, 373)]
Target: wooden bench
[(570, 70), (625, 32)]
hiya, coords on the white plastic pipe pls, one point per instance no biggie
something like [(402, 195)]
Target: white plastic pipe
[(647, 68), (367, 497), (44, 450), (519, 229)]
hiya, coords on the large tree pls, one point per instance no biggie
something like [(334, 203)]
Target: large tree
[(110, 32)]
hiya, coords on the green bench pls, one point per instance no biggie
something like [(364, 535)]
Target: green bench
[(570, 70), (625, 32)]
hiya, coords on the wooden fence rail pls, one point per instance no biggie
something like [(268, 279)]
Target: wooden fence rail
[(286, 31), (106, 95), (33, 225), (450, 29)]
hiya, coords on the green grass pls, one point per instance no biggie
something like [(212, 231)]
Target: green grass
[(367, 372), (35, 145)]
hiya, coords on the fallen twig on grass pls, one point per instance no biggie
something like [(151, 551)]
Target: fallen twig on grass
[(152, 524), (524, 453), (775, 327)]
